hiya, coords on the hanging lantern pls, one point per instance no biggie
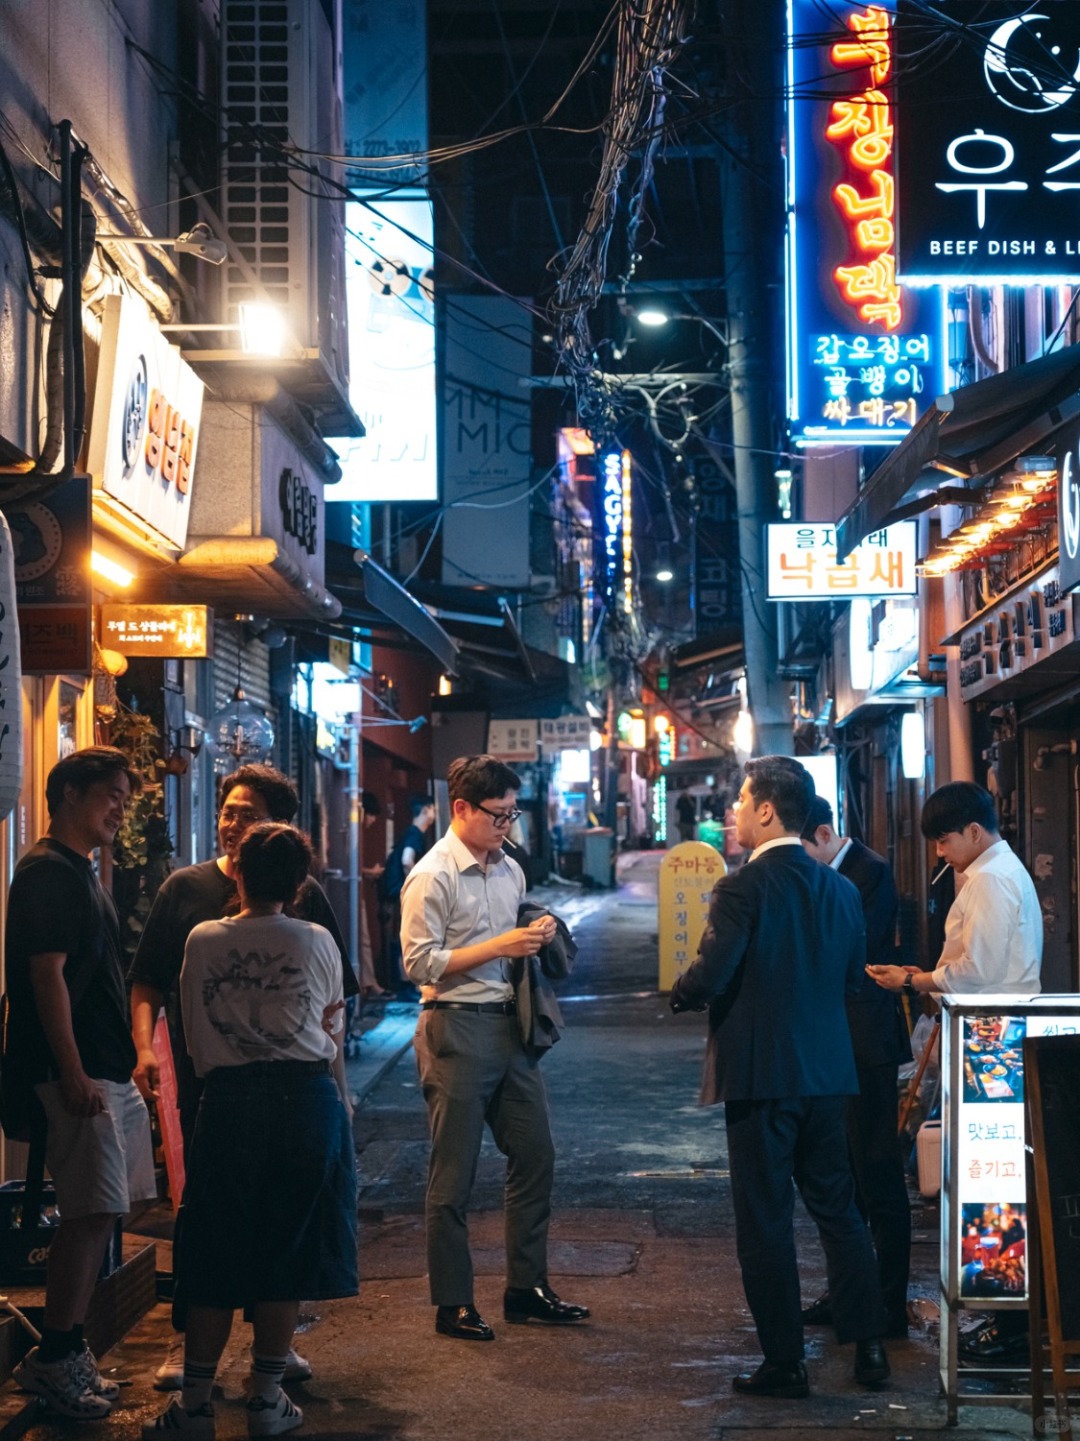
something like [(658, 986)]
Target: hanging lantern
[(238, 735)]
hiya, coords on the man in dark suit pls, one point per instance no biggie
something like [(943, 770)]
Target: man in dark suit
[(879, 1037), (783, 941)]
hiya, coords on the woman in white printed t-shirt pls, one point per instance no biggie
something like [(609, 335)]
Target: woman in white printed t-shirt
[(269, 1215)]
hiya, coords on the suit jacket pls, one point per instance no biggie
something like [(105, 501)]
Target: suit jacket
[(539, 1017), (783, 944), (879, 1032)]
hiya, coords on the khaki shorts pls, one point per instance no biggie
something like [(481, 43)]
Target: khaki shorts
[(104, 1164)]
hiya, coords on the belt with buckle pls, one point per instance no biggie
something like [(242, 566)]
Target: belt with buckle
[(483, 1008)]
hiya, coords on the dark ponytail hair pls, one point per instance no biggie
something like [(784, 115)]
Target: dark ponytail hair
[(273, 862)]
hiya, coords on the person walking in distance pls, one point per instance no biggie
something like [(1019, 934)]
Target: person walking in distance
[(208, 892), (686, 815), (783, 943), (459, 936), (879, 1036), (66, 985)]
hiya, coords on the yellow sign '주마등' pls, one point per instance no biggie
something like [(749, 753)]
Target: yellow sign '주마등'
[(687, 875)]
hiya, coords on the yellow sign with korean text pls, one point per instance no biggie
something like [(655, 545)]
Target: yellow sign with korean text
[(802, 563), (167, 631), (687, 875)]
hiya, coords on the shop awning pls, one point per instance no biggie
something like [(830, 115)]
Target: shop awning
[(242, 574), (968, 433)]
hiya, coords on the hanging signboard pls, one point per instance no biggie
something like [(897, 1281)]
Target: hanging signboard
[(11, 751), (51, 542), (866, 355), (165, 631), (566, 733), (802, 563), (988, 149), (145, 428), (513, 740), (687, 875)]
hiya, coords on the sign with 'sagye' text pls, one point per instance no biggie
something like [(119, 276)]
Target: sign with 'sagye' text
[(802, 563)]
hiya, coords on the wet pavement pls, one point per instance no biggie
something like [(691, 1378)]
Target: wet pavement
[(642, 1235)]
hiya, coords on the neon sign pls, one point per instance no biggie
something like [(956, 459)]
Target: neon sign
[(627, 533), (612, 505), (864, 353), (863, 126)]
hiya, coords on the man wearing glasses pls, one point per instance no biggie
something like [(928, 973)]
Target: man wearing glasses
[(459, 938)]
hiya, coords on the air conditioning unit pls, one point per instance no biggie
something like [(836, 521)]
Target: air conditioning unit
[(281, 87)]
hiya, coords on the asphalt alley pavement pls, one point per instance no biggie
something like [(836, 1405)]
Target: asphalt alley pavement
[(642, 1234)]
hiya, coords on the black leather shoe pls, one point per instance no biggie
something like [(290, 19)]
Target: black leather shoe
[(540, 1303), (464, 1322), (819, 1313), (787, 1383), (871, 1363)]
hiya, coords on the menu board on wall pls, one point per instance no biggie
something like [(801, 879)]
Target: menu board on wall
[(990, 1209)]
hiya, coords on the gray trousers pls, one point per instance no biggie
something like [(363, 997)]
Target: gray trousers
[(474, 1071)]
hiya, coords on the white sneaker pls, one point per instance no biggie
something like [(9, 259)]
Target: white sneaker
[(271, 1418), (63, 1385), (174, 1420), (96, 1383), (169, 1376), (297, 1368)]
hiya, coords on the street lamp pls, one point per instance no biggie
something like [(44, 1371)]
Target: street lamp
[(199, 241), (654, 318)]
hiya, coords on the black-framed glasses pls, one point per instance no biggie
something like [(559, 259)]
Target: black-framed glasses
[(502, 819)]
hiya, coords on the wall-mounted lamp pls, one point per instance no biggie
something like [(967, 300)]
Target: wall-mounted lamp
[(109, 570), (261, 328), (198, 241), (189, 739)]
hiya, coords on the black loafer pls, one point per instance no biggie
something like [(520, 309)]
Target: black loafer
[(463, 1322), (786, 1383), (819, 1313), (871, 1363), (540, 1303)]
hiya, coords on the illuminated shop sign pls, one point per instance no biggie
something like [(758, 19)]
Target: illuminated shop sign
[(985, 1213), (1068, 468), (988, 152), (167, 631), (145, 427), (865, 354), (611, 518), (802, 563), (391, 303)]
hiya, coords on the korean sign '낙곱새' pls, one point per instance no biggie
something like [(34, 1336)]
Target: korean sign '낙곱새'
[(988, 141), (802, 563)]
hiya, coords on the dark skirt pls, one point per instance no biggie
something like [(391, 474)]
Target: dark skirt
[(269, 1209)]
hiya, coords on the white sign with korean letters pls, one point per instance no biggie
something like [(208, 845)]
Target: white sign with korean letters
[(802, 563), (145, 429), (567, 733)]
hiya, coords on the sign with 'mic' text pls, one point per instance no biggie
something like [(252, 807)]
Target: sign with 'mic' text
[(989, 145), (866, 355), (802, 563)]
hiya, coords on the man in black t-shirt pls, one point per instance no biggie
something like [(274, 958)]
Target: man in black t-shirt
[(69, 1012), (207, 892)]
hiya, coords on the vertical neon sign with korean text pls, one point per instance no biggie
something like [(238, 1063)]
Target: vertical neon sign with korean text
[(865, 354)]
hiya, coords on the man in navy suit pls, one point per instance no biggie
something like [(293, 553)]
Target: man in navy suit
[(879, 1036), (784, 940)]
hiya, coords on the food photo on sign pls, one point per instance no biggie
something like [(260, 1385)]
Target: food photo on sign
[(993, 1249), (994, 1058)]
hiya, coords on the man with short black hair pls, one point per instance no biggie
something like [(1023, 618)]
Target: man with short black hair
[(459, 937), (994, 929), (66, 985), (879, 1036), (784, 941)]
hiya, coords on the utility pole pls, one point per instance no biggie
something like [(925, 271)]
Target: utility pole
[(752, 191)]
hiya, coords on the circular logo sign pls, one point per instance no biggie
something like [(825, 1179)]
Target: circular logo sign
[(134, 413), (36, 539), (1070, 510), (1025, 70)]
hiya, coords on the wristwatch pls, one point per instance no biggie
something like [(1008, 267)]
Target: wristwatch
[(909, 984)]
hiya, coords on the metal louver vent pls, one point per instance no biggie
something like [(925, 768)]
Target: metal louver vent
[(281, 86)]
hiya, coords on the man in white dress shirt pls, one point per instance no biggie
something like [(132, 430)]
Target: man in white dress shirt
[(994, 930)]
